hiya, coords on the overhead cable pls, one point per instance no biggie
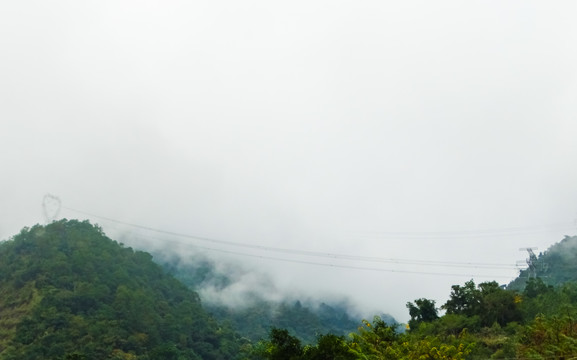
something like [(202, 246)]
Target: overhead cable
[(305, 252)]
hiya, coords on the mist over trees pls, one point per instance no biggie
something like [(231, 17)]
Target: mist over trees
[(554, 266), (70, 292), (532, 318), (480, 322), (252, 313)]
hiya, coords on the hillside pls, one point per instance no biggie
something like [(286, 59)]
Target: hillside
[(253, 318), (69, 292), (480, 321), (555, 266), (306, 322)]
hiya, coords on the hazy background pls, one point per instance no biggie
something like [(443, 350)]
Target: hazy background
[(397, 130)]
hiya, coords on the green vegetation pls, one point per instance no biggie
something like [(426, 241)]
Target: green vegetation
[(306, 322), (375, 340), (555, 266), (533, 318), (69, 292), (481, 321), (254, 319)]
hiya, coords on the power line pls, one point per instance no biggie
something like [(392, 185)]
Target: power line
[(480, 233), (304, 252), (342, 266)]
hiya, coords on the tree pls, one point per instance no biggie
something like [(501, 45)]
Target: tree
[(464, 300), (535, 287), (488, 301), (423, 310), (377, 340), (329, 347), (552, 337), (498, 305), (280, 346)]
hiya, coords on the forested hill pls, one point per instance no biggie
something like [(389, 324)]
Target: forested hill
[(69, 292), (555, 266), (254, 318), (478, 322)]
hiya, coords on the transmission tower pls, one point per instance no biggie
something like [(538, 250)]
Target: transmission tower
[(531, 261), (51, 207)]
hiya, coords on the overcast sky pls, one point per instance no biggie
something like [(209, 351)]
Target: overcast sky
[(397, 130)]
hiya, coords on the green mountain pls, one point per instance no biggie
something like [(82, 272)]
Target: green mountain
[(556, 266), (254, 317), (306, 322), (69, 292), (535, 320)]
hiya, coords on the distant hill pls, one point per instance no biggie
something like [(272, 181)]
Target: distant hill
[(69, 292), (254, 318), (555, 266)]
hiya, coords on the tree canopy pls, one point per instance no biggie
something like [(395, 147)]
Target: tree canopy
[(69, 291)]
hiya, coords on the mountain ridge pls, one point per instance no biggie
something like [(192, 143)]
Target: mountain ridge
[(554, 266), (305, 319), (68, 291)]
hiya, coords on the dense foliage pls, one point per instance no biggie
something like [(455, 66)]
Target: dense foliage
[(255, 317), (481, 321), (69, 292), (306, 321), (533, 318), (555, 266)]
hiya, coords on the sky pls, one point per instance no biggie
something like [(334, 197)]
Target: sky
[(421, 135)]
